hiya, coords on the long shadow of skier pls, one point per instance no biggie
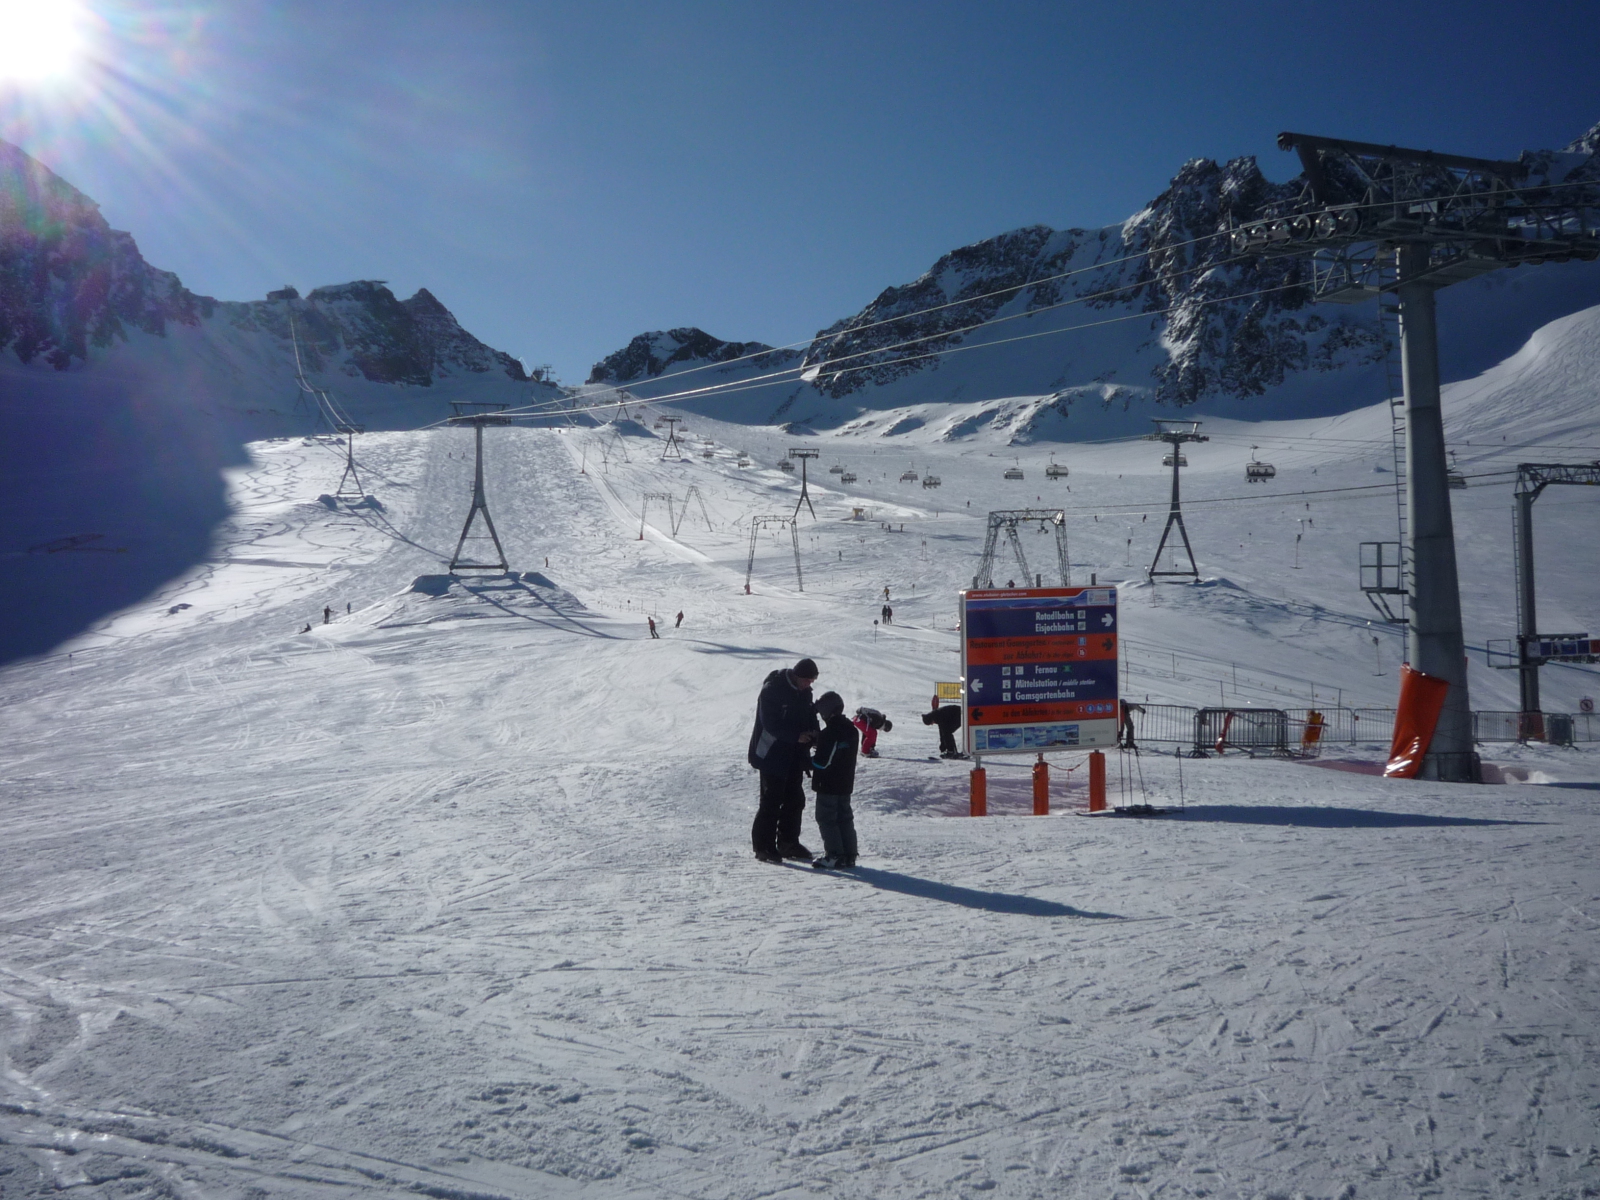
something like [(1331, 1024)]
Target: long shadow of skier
[(1317, 817), (949, 893)]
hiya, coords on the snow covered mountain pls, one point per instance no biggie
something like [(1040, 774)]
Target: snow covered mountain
[(76, 296), (126, 395), (1107, 322)]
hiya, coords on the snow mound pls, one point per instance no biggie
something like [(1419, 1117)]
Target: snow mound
[(434, 598)]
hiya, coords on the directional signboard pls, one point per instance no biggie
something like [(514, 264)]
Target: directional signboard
[(1040, 666)]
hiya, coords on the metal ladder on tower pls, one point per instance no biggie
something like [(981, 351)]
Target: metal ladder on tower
[(1394, 384)]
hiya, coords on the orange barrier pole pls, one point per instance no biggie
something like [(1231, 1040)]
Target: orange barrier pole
[(980, 792), (1097, 781), (1041, 788), (1222, 738)]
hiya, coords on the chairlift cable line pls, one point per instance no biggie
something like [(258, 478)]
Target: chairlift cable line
[(768, 380), (1032, 283), (798, 372)]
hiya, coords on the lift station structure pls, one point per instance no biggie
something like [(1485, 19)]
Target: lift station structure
[(1385, 221)]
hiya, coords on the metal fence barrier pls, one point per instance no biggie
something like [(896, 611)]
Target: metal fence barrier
[(1184, 725), (1249, 729)]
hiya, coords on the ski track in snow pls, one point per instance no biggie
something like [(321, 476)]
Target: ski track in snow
[(453, 895)]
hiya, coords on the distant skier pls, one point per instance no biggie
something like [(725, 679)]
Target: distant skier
[(885, 593), (833, 774), (888, 615), (653, 632), (871, 722), (785, 726), (679, 621), (307, 629), (948, 719), (327, 613)]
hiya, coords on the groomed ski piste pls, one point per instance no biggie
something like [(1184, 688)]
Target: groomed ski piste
[(454, 895)]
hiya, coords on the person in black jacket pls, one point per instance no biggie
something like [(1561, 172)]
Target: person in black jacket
[(948, 719), (785, 725), (833, 775)]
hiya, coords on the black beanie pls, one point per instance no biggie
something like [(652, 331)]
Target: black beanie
[(830, 704), (806, 669)]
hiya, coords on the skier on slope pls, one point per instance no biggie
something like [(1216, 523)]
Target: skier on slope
[(785, 726), (679, 621), (653, 632)]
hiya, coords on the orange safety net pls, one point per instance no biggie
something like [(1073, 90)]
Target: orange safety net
[(1421, 702)]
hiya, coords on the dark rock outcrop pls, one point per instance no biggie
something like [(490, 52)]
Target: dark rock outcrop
[(652, 354)]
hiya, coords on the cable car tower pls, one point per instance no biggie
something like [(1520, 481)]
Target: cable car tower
[(1382, 220), (805, 454), (672, 424), (1175, 434), (355, 490), (478, 415)]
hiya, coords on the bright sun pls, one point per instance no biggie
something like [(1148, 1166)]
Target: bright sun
[(39, 39)]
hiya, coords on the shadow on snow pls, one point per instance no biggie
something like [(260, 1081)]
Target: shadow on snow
[(949, 893), (1315, 817)]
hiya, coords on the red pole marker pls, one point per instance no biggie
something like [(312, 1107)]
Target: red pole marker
[(1041, 788), (980, 792), (1097, 781)]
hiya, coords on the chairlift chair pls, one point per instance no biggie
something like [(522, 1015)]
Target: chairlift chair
[(1455, 478), (836, 469), (929, 481), (744, 460), (1055, 471), (1166, 461), (847, 477), (785, 465), (908, 477), (1015, 473), (708, 453), (1256, 471)]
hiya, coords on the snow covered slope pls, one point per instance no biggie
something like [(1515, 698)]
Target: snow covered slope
[(1118, 322), (453, 895), (123, 395)]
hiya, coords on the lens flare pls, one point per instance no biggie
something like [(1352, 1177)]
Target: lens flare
[(40, 40)]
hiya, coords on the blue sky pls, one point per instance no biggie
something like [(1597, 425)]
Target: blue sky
[(566, 175)]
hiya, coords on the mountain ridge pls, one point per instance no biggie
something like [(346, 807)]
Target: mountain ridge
[(73, 290), (1157, 308)]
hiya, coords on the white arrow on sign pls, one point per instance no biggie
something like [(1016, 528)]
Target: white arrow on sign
[(1105, 620), (976, 685)]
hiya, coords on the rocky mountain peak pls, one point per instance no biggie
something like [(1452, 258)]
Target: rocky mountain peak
[(71, 285), (652, 354)]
